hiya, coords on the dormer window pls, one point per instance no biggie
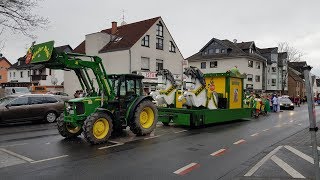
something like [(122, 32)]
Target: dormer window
[(217, 51), (210, 51), (251, 51), (145, 41), (160, 29), (117, 39), (18, 63), (223, 51)]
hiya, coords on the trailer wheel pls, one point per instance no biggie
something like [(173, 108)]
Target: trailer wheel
[(97, 128), (145, 118), (67, 130)]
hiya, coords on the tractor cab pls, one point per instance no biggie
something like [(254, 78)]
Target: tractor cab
[(126, 86)]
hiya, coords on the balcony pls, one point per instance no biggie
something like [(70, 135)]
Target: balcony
[(38, 77)]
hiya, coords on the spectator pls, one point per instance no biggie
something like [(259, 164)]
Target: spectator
[(275, 102)]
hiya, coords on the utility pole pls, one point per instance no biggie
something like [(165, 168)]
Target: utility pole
[(312, 119)]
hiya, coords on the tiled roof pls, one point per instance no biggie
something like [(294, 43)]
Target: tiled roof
[(244, 45), (298, 66), (295, 76), (5, 59), (233, 50), (267, 50), (129, 34), (63, 48)]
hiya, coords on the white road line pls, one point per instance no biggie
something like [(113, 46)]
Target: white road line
[(262, 161), (285, 123), (317, 148), (106, 147), (151, 137), (239, 142), (116, 142), (180, 131), (186, 169), (265, 130), (291, 121), (11, 145), (219, 152), (16, 155), (300, 154), (49, 159), (279, 125), (255, 134), (300, 124), (286, 167)]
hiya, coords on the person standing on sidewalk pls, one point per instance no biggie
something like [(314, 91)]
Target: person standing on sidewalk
[(275, 103)]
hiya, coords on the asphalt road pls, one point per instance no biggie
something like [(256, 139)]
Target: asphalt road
[(215, 152)]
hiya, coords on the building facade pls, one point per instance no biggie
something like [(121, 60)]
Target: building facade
[(142, 47), (4, 66), (219, 56), (296, 85)]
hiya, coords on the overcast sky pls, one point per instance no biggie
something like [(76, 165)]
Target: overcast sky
[(191, 23)]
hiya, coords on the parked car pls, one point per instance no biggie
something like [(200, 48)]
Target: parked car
[(30, 107), (286, 103), (16, 90)]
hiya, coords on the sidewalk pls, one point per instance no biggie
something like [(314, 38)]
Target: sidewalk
[(291, 158)]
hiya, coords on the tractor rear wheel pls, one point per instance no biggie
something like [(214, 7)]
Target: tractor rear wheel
[(145, 118), (66, 129), (97, 128)]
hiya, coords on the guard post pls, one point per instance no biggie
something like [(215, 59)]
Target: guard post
[(312, 119)]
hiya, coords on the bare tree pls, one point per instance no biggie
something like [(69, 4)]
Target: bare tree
[(18, 16), (294, 54)]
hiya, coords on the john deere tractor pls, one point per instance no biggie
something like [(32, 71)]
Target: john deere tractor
[(116, 103)]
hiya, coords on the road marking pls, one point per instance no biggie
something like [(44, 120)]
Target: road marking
[(317, 148), (151, 137), (49, 159), (285, 123), (48, 143), (11, 145), (286, 167), (16, 155), (255, 134), (106, 147), (300, 124), (180, 131), (219, 152), (186, 169), (300, 154), (262, 161), (279, 125), (291, 121), (240, 141), (265, 130), (116, 142)]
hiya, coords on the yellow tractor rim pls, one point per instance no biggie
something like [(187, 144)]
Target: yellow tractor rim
[(101, 128), (73, 129), (146, 117)]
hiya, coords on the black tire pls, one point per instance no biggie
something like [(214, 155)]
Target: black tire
[(51, 116), (92, 136), (66, 130), (165, 123), (145, 107)]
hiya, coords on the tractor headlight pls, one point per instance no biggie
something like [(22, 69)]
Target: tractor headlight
[(291, 104), (281, 104)]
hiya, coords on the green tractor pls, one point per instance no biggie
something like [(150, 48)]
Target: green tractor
[(118, 101)]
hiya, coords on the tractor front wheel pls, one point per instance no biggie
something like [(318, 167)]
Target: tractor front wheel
[(97, 128), (66, 129), (145, 118)]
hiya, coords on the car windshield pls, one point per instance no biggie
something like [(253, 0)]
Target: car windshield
[(285, 100), (5, 100), (21, 90)]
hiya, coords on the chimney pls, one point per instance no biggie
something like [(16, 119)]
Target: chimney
[(234, 40), (114, 27)]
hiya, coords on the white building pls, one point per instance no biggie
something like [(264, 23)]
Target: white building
[(25, 75), (143, 47), (219, 56)]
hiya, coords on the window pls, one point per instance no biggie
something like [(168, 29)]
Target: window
[(145, 63), (36, 100), (14, 74), (203, 65), (21, 74), (249, 77), (217, 50), (223, 50), (257, 78), (160, 29), (159, 44), (19, 101), (251, 50), (273, 82), (249, 86), (258, 65), (159, 64), (250, 63), (145, 41), (0, 77), (50, 100), (205, 52), (210, 51), (28, 73), (50, 72), (268, 81), (213, 64), (172, 47), (268, 69), (274, 69)]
